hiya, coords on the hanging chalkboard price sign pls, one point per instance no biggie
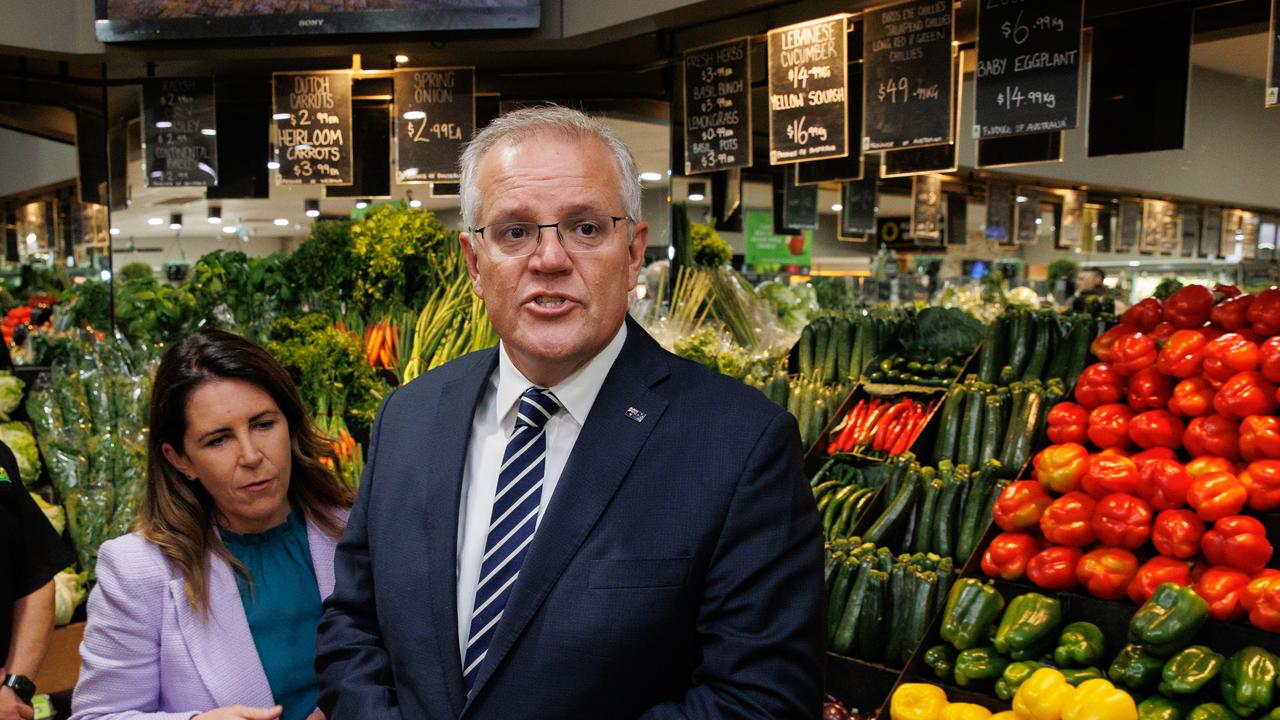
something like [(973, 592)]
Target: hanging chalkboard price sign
[(435, 115), (717, 107), (1000, 212), (858, 201), (179, 133), (312, 116), (1273, 57), (808, 84), (910, 78), (1028, 78), (1025, 216), (926, 208)]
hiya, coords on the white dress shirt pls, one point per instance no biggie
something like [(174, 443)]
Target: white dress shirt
[(492, 426)]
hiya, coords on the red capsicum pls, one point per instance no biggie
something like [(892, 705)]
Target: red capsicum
[(1156, 572), (1177, 534), (1106, 572), (1189, 307), (1245, 394), (1162, 332), (1149, 389), (1260, 437), (1221, 587), (1061, 467), (1156, 453), (1008, 554), (1262, 481), (1205, 464), (1163, 483), (1054, 568), (1122, 520), (1132, 353), (1019, 506), (1237, 541), (1224, 290), (1103, 346), (1156, 428), (1067, 520), (1232, 313), (1110, 472), (1227, 355), (1216, 495), (1261, 597), (1183, 354), (1192, 397), (1264, 313), (1098, 385), (1144, 315), (1109, 425), (1269, 359), (1212, 435), (1068, 423)]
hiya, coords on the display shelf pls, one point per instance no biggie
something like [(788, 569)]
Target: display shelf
[(858, 683)]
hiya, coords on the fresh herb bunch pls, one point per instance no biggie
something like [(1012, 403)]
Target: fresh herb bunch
[(329, 367), (88, 305), (241, 293), (396, 249), (709, 249), (323, 270), (148, 312)]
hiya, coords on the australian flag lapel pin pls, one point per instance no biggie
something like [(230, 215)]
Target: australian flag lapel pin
[(635, 414)]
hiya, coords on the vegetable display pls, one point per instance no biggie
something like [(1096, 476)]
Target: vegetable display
[(881, 426)]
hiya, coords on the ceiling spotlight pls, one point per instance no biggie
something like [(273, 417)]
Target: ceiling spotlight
[(650, 176), (281, 116), (229, 229), (208, 131), (1134, 263), (837, 207), (1039, 220), (1021, 198), (164, 124), (175, 221), (115, 231), (697, 191), (273, 165), (155, 221), (401, 58), (362, 203), (215, 214), (414, 115), (105, 275), (281, 222), (313, 208)]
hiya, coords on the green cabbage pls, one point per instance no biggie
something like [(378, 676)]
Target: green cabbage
[(10, 394), (68, 591), (23, 444), (57, 518)]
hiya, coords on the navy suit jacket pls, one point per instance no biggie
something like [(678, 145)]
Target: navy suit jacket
[(677, 572)]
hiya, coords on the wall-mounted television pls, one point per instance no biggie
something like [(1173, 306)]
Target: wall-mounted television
[(131, 21)]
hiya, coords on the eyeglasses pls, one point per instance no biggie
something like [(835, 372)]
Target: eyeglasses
[(586, 234)]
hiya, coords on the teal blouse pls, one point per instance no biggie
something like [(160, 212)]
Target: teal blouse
[(283, 608)]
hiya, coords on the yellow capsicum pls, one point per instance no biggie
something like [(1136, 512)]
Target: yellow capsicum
[(964, 711), (1099, 700), (1005, 715), (917, 701), (1042, 696)]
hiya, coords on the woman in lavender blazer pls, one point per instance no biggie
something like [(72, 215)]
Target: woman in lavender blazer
[(209, 609)]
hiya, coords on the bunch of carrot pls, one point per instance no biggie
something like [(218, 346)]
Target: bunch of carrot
[(882, 425), (381, 345)]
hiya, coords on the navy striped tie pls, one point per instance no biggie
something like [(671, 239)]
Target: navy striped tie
[(515, 516)]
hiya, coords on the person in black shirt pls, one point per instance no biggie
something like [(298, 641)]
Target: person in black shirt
[(31, 553)]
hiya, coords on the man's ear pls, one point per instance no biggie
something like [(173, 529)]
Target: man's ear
[(635, 252), (473, 267)]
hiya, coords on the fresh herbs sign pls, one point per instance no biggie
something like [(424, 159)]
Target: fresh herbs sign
[(717, 107), (312, 114), (910, 81), (1028, 78), (808, 103), (179, 133)]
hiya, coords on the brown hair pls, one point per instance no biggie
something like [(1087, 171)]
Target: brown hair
[(178, 515)]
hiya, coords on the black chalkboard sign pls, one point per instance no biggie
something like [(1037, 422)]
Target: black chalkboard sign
[(910, 77), (1028, 78), (1130, 225), (1027, 212), (808, 91), (1020, 150), (435, 115), (858, 201), (1273, 57), (717, 107), (926, 208), (1000, 212), (850, 166), (799, 203), (179, 133), (916, 161), (312, 115)]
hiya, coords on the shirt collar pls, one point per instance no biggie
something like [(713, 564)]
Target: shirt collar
[(577, 393)]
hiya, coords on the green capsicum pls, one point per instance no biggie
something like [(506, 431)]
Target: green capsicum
[(1075, 676), (1159, 707), (1135, 669), (1081, 644), (1190, 670), (1248, 680), (1027, 628), (1169, 620), (1013, 676), (1212, 711), (942, 660), (977, 665), (972, 607)]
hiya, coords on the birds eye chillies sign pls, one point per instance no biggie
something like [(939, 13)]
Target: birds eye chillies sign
[(908, 66)]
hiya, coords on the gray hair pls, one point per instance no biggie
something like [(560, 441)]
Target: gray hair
[(519, 125)]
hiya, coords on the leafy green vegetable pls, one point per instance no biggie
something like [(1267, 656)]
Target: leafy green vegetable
[(10, 393), (57, 518), (945, 332), (396, 248), (87, 305), (329, 367), (23, 444), (709, 249), (69, 590), (240, 293)]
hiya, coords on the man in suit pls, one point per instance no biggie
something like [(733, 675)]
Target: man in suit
[(576, 524)]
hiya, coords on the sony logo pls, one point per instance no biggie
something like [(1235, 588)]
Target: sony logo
[(311, 22)]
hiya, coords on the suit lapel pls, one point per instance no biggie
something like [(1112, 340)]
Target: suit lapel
[(606, 448), (446, 448), (221, 645)]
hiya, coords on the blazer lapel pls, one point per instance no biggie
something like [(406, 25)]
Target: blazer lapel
[(322, 548), (446, 450), (221, 645), (610, 440)]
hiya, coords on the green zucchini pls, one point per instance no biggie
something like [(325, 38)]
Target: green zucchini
[(834, 332), (1020, 342), (949, 427), (844, 349), (839, 596), (922, 586), (992, 427), (1079, 351), (822, 338), (970, 428), (1039, 353), (850, 514), (945, 521), (871, 625), (973, 513), (896, 512), (834, 507), (805, 350), (923, 540), (896, 610), (989, 359), (1029, 426), (852, 610)]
